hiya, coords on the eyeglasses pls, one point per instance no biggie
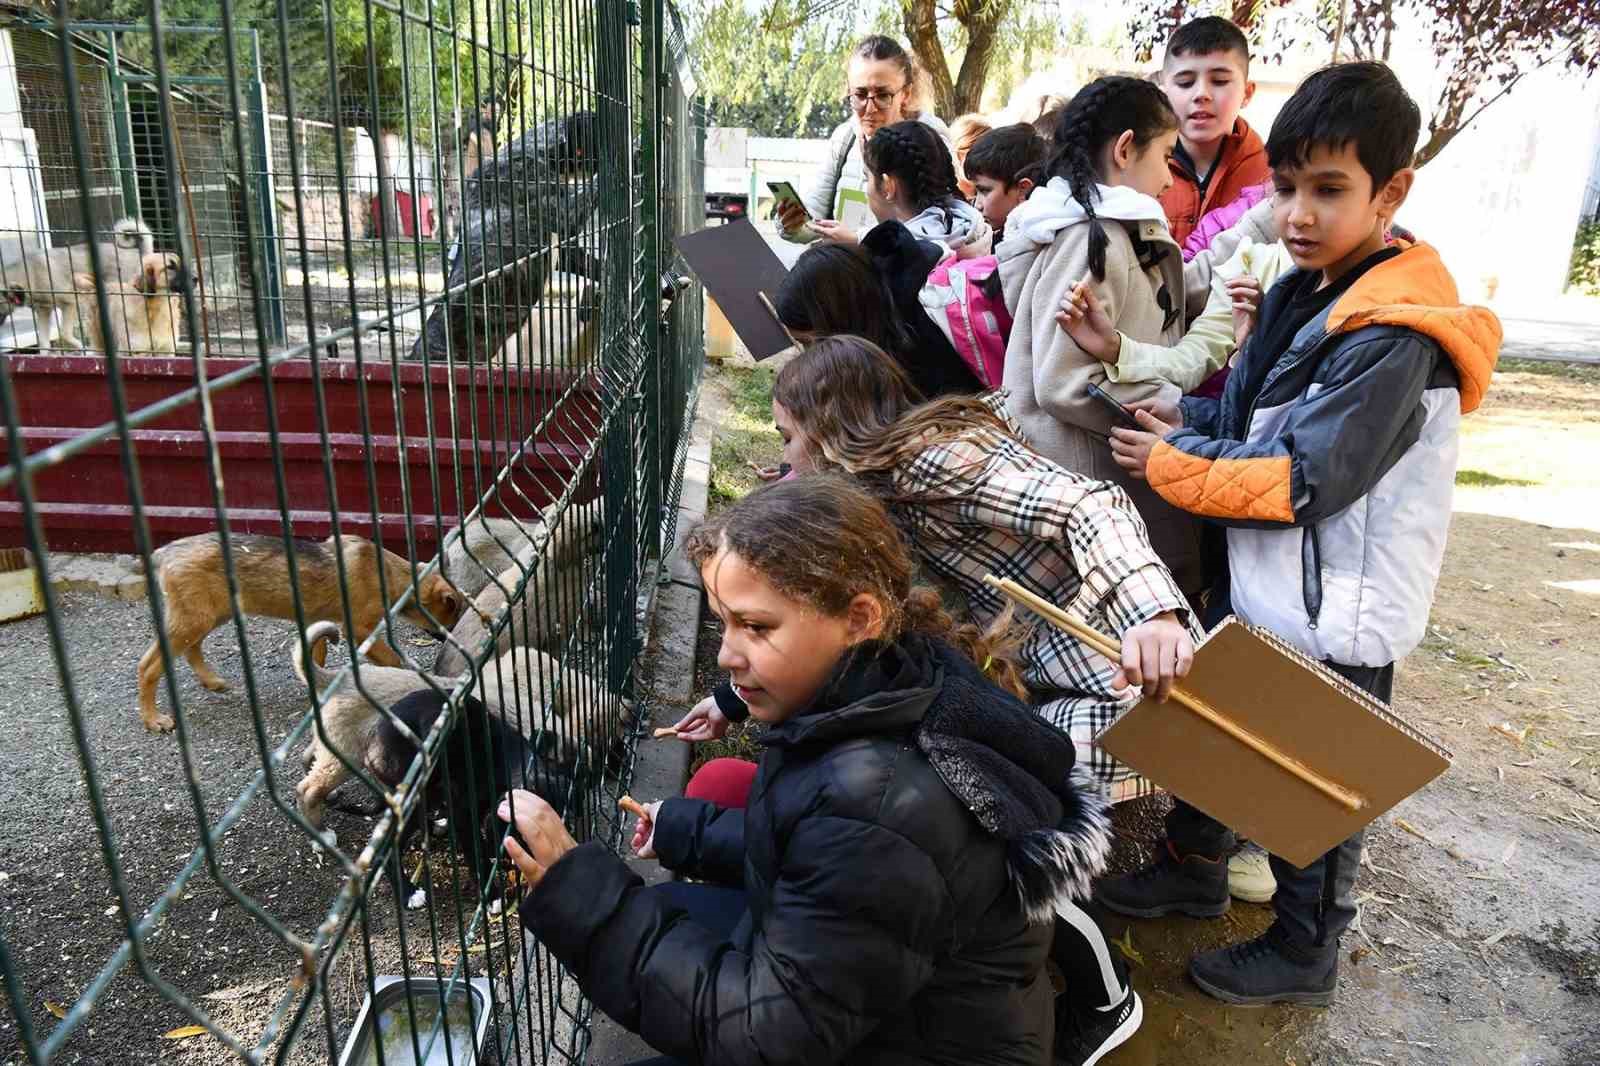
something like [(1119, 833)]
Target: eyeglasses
[(858, 99)]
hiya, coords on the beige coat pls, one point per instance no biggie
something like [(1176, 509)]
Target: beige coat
[(1046, 374)]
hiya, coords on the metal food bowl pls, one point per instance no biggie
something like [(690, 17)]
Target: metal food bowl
[(384, 1016)]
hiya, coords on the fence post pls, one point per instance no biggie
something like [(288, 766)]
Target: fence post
[(271, 260), (122, 132)]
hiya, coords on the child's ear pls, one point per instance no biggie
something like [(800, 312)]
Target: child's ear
[(1027, 187), (1122, 149), (1249, 94), (865, 616), (1394, 192)]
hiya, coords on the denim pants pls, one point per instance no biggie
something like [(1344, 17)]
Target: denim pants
[(1314, 905)]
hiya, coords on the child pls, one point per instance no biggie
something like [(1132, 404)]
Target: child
[(1097, 217), (911, 179), (976, 501), (1331, 460), (1003, 166), (909, 833), (872, 290), (1206, 74), (964, 133)]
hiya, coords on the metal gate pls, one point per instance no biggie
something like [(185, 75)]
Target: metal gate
[(506, 412)]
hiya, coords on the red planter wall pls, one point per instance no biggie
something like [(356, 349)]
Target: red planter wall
[(84, 500)]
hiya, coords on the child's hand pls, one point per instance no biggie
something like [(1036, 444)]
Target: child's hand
[(1154, 655), (832, 230), (644, 832), (540, 828), (704, 722), (1131, 448), (1245, 292), (1084, 319)]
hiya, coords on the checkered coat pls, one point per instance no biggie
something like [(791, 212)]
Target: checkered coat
[(986, 504)]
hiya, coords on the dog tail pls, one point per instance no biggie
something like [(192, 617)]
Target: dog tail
[(318, 634), (133, 233)]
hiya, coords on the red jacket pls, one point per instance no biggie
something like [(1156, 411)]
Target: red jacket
[(1241, 164)]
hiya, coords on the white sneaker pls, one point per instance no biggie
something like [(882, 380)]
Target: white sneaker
[(1250, 876)]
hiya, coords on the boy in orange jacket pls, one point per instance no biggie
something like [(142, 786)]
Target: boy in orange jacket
[(1206, 74)]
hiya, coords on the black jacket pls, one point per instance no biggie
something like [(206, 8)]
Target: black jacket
[(886, 924), (904, 262)]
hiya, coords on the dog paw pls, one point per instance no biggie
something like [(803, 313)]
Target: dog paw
[(496, 907), (216, 684), (416, 899), (440, 825), (159, 723)]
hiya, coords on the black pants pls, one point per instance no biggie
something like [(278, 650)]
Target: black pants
[(1313, 905)]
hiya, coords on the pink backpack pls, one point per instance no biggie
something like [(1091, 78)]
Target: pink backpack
[(963, 298)]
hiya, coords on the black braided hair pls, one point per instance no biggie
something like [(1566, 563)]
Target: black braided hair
[(1101, 112), (918, 159)]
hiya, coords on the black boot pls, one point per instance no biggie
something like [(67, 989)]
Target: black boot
[(1172, 884), (1084, 1036), (1268, 969)]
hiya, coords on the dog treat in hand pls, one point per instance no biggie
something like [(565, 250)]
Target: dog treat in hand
[(665, 731), (633, 807)]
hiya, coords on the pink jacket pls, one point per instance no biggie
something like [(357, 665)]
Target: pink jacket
[(1224, 217)]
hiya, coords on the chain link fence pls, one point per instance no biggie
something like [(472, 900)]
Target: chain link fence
[(413, 439)]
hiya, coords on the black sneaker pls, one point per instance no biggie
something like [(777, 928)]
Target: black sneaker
[(1268, 969), (1084, 1037), (1189, 884)]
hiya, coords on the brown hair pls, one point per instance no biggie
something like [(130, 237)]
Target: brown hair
[(858, 409), (822, 540), (879, 48)]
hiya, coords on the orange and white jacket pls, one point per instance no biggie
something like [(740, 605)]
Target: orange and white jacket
[(1332, 463)]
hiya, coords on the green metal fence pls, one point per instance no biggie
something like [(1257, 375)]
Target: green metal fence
[(507, 410)]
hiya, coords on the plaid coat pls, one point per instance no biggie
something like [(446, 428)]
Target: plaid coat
[(986, 504)]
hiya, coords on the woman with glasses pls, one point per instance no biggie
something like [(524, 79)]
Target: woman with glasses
[(884, 87)]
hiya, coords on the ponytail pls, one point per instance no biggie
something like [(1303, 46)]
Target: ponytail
[(995, 649), (1101, 112)]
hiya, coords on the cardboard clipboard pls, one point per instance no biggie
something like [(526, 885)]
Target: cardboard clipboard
[(740, 271), (1266, 740)]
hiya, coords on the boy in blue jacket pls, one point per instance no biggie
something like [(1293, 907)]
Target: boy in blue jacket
[(1330, 459)]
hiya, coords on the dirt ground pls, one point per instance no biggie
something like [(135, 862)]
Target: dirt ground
[(57, 911), (1479, 935)]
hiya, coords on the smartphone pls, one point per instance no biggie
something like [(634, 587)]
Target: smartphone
[(784, 192), (1118, 412)]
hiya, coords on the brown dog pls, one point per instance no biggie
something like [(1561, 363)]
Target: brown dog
[(195, 589)]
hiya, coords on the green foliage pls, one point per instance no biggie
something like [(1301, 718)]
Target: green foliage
[(1584, 273), (778, 71)]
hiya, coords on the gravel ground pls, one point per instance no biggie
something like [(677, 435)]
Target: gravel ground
[(58, 911)]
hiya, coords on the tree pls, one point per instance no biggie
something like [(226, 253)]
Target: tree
[(1484, 47), (979, 24)]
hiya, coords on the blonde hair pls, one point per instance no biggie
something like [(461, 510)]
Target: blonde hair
[(822, 540), (919, 86)]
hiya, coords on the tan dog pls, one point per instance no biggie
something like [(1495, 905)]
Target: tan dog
[(144, 312), (46, 280), (195, 589)]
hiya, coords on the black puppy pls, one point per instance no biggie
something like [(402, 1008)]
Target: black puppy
[(482, 759)]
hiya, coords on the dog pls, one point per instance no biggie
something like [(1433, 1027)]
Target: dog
[(46, 280), (541, 620), (194, 587), (348, 716), (482, 759), (144, 312), (513, 691)]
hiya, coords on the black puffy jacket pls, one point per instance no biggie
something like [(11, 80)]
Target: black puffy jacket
[(904, 262), (886, 925)]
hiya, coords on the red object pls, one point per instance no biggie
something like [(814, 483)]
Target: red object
[(83, 500), (725, 782), (412, 216)]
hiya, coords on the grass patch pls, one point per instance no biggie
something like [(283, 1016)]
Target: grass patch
[(1582, 373), (1484, 479), (744, 435)]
